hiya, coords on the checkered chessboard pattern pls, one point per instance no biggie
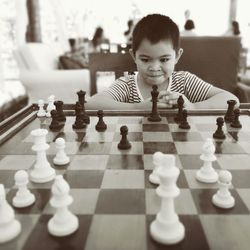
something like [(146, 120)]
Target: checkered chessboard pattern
[(114, 200)]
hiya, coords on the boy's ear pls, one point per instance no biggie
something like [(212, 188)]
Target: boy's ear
[(178, 55), (132, 54)]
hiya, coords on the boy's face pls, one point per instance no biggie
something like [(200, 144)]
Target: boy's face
[(156, 62)]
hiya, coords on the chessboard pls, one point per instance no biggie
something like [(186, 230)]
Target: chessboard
[(113, 198)]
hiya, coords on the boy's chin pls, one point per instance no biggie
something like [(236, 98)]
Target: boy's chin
[(156, 81)]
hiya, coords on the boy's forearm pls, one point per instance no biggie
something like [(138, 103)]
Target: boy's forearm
[(218, 101)]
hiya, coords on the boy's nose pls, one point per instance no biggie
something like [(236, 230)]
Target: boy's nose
[(154, 66)]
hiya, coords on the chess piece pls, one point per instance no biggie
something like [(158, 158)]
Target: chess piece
[(81, 98), (9, 226), (59, 109), (24, 197), (154, 116), (79, 123), (223, 197), (180, 103), (206, 173), (63, 222), (42, 171), (55, 124), (124, 143), (157, 161), (236, 122), (50, 106), (41, 112), (229, 116), (166, 228), (219, 134), (100, 126), (184, 123), (61, 158)]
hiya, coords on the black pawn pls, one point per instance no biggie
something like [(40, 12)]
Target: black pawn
[(184, 123), (236, 122), (81, 98), (229, 116), (124, 143), (180, 103), (100, 126), (219, 134), (154, 116), (79, 123), (55, 124), (59, 109)]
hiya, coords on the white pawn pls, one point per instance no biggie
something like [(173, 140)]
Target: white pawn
[(157, 161), (9, 226), (24, 197), (63, 222), (206, 173), (166, 228), (41, 112), (61, 158), (223, 197), (51, 105)]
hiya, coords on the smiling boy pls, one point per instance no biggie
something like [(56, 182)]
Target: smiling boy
[(156, 50)]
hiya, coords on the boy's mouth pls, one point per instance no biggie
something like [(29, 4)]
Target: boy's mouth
[(154, 76)]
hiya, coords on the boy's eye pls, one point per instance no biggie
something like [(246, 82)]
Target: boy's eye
[(144, 60), (164, 59)]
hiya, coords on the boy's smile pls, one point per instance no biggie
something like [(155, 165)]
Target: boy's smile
[(155, 62)]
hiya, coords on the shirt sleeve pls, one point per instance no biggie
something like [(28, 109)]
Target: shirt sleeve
[(195, 89), (119, 90)]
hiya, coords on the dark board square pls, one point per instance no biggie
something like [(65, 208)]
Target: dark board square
[(7, 178), (225, 147), (42, 198), (195, 237), (126, 201), (125, 162), (132, 136), (40, 238), (164, 147), (84, 178), (203, 201), (186, 136), (194, 162), (181, 181), (241, 178), (155, 127), (102, 148)]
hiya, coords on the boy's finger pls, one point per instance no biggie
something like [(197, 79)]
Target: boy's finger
[(164, 105), (164, 93)]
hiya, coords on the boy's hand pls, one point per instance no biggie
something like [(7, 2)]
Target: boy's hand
[(171, 98)]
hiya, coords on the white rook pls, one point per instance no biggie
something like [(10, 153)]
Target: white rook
[(42, 171), (166, 228)]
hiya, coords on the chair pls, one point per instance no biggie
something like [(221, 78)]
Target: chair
[(41, 77), (107, 62), (214, 59)]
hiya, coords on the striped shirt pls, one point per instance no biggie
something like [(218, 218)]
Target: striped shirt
[(125, 89)]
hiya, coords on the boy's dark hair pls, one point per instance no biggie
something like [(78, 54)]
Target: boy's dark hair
[(189, 25), (155, 28)]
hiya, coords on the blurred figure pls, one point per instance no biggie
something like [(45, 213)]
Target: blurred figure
[(129, 31), (234, 30), (188, 28), (76, 58), (97, 40)]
